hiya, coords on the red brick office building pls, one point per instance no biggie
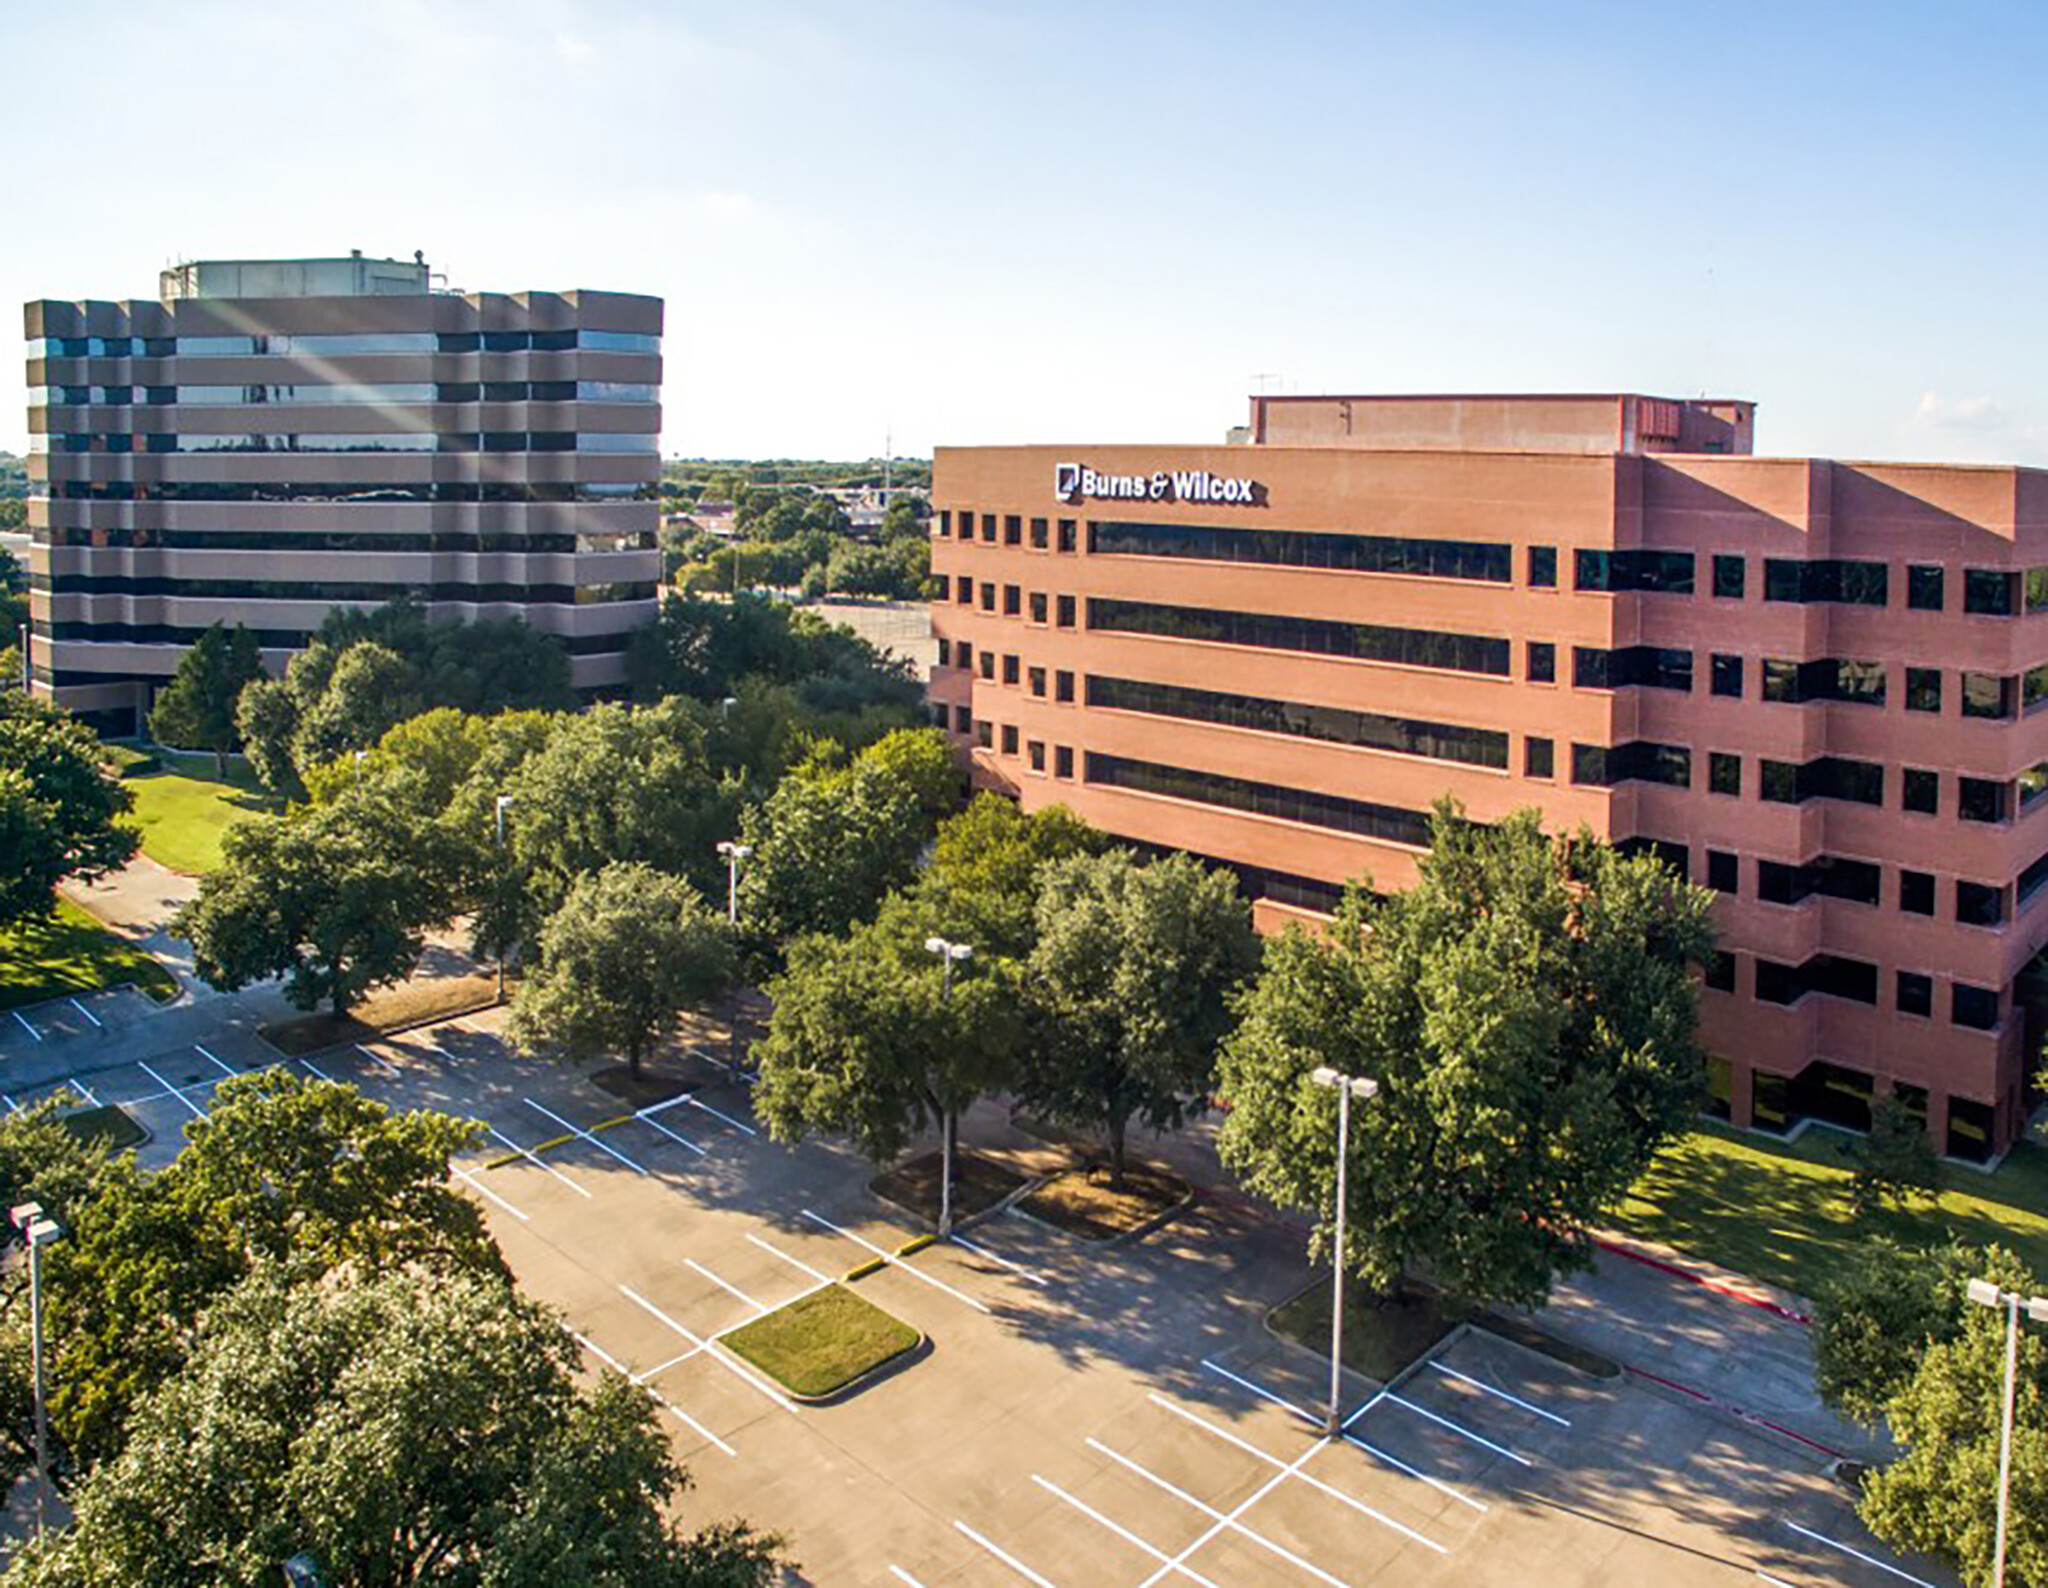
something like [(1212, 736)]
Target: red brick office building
[(1817, 685)]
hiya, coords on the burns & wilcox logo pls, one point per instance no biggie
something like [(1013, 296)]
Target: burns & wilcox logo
[(1077, 483)]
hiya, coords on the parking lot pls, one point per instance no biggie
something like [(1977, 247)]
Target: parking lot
[(1086, 1414)]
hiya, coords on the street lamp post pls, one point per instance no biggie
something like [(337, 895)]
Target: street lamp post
[(1346, 1088), (734, 853), (503, 801), (950, 954), (1987, 1294), (38, 1232)]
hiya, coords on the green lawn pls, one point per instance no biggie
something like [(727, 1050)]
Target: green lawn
[(821, 1342), (70, 952), (184, 809), (1778, 1212)]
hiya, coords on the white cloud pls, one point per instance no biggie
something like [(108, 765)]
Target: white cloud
[(571, 48), (1965, 413)]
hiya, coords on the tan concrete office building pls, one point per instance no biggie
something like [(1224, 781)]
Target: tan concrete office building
[(270, 439), (1819, 687)]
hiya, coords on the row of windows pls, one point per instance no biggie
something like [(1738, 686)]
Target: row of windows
[(1387, 822), (343, 540), (271, 639), (421, 491), (344, 589), (1601, 766), (1645, 666), (1466, 653), (1332, 724), (341, 344), (1861, 882), (1835, 976), (1439, 559), (332, 392), (945, 521), (378, 441), (1986, 591)]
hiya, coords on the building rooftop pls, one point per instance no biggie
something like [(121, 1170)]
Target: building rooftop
[(350, 277)]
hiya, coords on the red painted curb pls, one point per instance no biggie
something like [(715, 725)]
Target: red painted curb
[(1762, 1304), (1737, 1412)]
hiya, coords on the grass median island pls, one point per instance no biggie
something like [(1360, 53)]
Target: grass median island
[(66, 953), (1383, 1335), (1087, 1203), (1779, 1211), (183, 810), (821, 1343)]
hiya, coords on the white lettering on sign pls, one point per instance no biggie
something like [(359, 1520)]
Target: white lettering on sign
[(1076, 483)]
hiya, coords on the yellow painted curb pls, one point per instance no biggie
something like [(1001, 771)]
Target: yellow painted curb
[(916, 1243), (874, 1265)]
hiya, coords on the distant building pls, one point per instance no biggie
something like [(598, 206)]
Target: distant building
[(1820, 688), (274, 438)]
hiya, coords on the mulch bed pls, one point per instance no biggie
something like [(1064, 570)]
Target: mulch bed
[(978, 1184), (413, 1003), (1383, 1335), (650, 1089), (1086, 1203)]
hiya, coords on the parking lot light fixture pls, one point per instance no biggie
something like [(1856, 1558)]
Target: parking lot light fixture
[(1985, 1293), (1346, 1087), (503, 801), (734, 854), (37, 1232), (950, 954)]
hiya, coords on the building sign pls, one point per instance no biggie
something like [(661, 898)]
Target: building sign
[(1077, 483)]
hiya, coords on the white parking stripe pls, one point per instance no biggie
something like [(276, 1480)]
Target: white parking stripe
[(1868, 1560), (672, 1136), (318, 1073), (1414, 1472), (12, 1106), (1457, 1428), (475, 1184), (1264, 1394), (737, 1124), (1314, 1483), (177, 1092), (794, 1262), (895, 1262), (586, 1135), (723, 1358), (1221, 1520), (1512, 1400), (1775, 1582), (1005, 1557), (378, 1059), (87, 1090), (31, 1030), (903, 1576), (530, 1158), (1120, 1530), (660, 1368), (204, 1054), (95, 1019), (728, 1287), (619, 1367), (996, 1257)]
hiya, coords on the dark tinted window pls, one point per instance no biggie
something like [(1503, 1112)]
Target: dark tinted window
[(1916, 993), (1987, 695), (1441, 559), (1923, 689), (1974, 1007), (1980, 799), (1979, 904), (1543, 567), (1721, 871), (1368, 642), (1542, 662), (1924, 588), (1989, 592), (1916, 892), (1724, 772), (1720, 974), (1539, 758), (1729, 577), (1727, 675), (1920, 790), (1391, 823)]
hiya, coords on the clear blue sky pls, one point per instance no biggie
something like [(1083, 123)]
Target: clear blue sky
[(1026, 220)]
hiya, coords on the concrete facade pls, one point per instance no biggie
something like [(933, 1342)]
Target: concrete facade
[(262, 460), (1766, 668)]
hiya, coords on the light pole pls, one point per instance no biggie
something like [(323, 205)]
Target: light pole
[(950, 954), (1985, 1293), (734, 854), (38, 1232), (503, 801), (1346, 1087)]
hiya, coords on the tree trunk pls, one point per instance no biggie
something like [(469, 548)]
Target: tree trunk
[(1117, 1127), (633, 1060), (949, 1153), (220, 764)]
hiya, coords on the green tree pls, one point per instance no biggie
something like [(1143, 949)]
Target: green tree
[(281, 1173), (628, 950), (1895, 1162), (196, 710), (266, 721), (335, 898), (1946, 1410), (1876, 1316), (1529, 1013), (370, 688), (982, 879), (836, 837), (1130, 988), (59, 810), (406, 1428), (867, 1039)]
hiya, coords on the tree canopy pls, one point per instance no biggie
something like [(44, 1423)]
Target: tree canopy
[(1130, 987), (60, 810), (627, 950), (1528, 1010), (196, 710)]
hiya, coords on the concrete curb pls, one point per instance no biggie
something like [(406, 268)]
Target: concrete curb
[(888, 1367)]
